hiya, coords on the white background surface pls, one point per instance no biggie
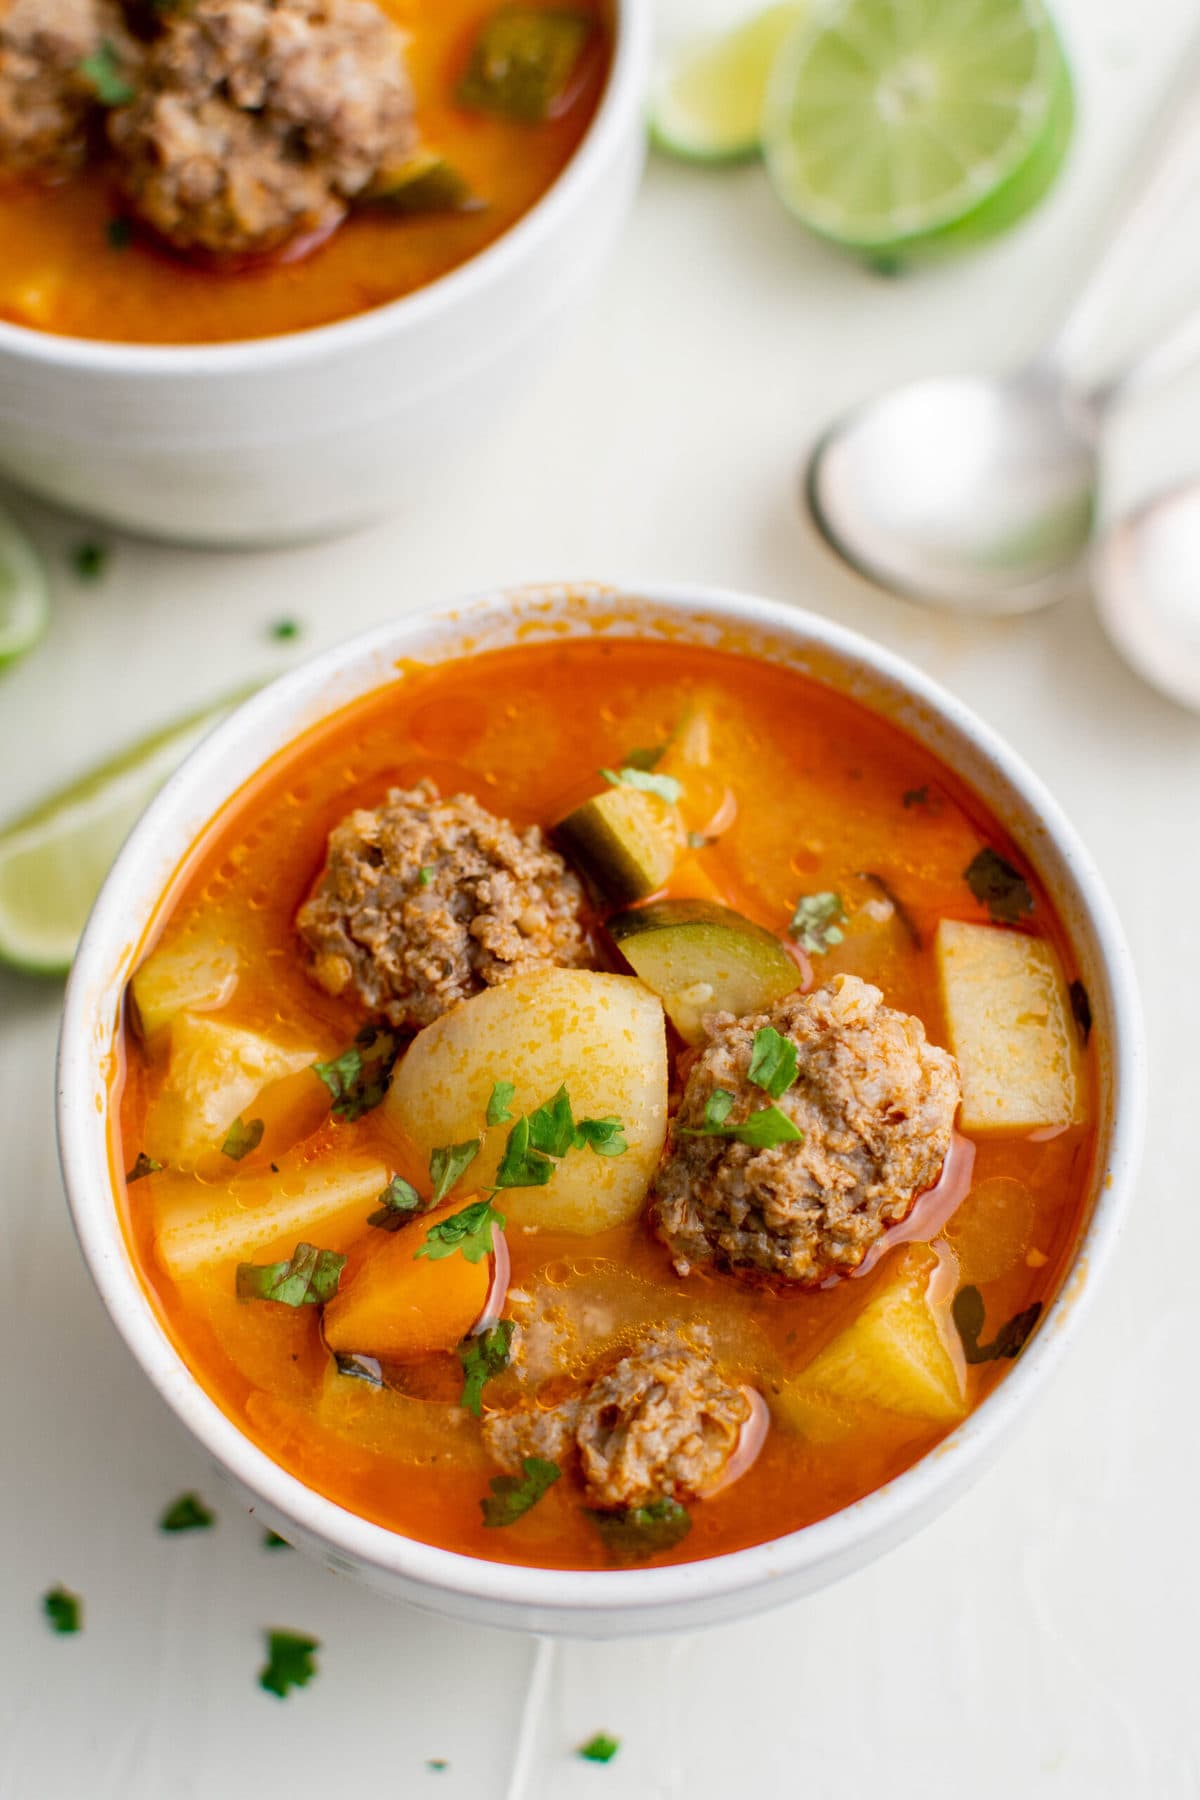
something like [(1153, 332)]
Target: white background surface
[(1040, 1639)]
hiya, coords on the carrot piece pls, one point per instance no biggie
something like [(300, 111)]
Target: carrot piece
[(396, 1304)]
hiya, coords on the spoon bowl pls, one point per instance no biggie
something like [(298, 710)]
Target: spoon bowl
[(1146, 575)]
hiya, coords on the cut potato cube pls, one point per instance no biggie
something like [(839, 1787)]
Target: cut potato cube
[(626, 840), (324, 1204), (194, 974), (601, 1035), (398, 1304), (215, 1074), (701, 958), (901, 1353), (1010, 1025)]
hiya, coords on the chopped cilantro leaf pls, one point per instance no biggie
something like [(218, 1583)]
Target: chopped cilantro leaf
[(284, 630), (289, 1662), (425, 874), (483, 1356), (397, 1204), (308, 1278), (437, 1763), (188, 1513), (998, 886), (665, 786), (1008, 1342), (447, 1163), (103, 73), (89, 560), (599, 1749), (773, 1062), (469, 1231), (143, 1166), (118, 234), (273, 1541), (521, 1165), (762, 1130), (513, 1495), (636, 1532), (817, 922), (1081, 1010), (243, 1136), (918, 796), (501, 1100), (552, 1125), (605, 1136), (358, 1078), (63, 1609)]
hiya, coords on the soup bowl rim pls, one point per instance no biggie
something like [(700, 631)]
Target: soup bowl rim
[(725, 1585)]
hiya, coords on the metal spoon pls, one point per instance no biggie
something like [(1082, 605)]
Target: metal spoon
[(978, 493), (1146, 575)]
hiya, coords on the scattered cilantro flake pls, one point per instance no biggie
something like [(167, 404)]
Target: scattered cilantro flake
[(89, 560), (284, 630), (118, 234), (637, 1532), (774, 1062), (243, 1136), (103, 73), (521, 1165), (599, 1749), (665, 786), (289, 1662), (308, 1278), (188, 1513), (762, 1130), (397, 1205), (605, 1136), (469, 1231), (437, 1763), (273, 1541), (144, 1165), (998, 886), (513, 1495), (501, 1099), (358, 1078), (1008, 1342), (483, 1356), (918, 796), (425, 874), (1081, 1010), (547, 1134), (817, 922), (63, 1609), (447, 1163), (552, 1125)]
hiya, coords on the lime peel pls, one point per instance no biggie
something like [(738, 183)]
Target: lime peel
[(24, 592)]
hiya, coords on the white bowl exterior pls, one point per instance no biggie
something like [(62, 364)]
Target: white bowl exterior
[(588, 1603), (291, 437)]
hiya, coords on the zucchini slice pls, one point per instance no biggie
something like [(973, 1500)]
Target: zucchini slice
[(626, 840), (701, 958)]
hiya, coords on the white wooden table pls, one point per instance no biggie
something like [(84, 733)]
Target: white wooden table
[(1039, 1640)]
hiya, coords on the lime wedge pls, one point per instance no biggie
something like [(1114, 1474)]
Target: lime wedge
[(895, 129), (24, 594), (708, 105), (54, 859)]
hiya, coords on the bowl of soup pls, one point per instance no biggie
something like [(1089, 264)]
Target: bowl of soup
[(600, 1109), (270, 271)]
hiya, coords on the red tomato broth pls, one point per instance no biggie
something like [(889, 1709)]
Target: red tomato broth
[(820, 782)]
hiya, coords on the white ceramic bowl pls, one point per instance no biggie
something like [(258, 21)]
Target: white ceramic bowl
[(275, 439), (587, 1603)]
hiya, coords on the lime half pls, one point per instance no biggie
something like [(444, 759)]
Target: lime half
[(24, 593), (896, 128), (54, 859), (708, 105)]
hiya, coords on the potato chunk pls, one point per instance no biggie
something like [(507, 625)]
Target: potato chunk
[(1009, 1018), (215, 1074), (602, 1035), (323, 1204), (196, 973)]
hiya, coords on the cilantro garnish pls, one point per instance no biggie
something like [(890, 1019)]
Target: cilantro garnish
[(447, 1163), (243, 1136), (600, 1749), (284, 630), (425, 875), (469, 1231), (605, 1136), (774, 1062), (513, 1495), (89, 560), (308, 1278), (483, 1356), (918, 796), (118, 234), (998, 886), (289, 1662), (552, 1125), (1008, 1342), (817, 922), (664, 786), (188, 1513), (436, 1763), (103, 73), (501, 1100), (761, 1131), (637, 1532), (1081, 1010), (521, 1165), (273, 1541), (397, 1204), (550, 1132), (63, 1609), (143, 1166), (358, 1078), (644, 759)]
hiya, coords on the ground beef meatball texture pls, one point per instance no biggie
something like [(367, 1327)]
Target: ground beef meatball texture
[(875, 1103), (257, 121), (48, 104), (426, 901), (662, 1423)]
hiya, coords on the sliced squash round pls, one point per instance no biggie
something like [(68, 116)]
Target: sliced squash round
[(701, 958)]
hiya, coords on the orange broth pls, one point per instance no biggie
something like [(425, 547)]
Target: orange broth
[(820, 785), (60, 272)]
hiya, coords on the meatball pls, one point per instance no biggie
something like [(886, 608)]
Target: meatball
[(875, 1103), (426, 901), (661, 1424), (258, 120), (47, 103)]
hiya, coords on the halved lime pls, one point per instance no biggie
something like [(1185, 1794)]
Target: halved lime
[(708, 105), (24, 593), (54, 859), (893, 129)]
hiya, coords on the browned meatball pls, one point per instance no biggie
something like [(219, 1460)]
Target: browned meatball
[(426, 901), (662, 1424), (48, 104), (258, 120), (875, 1103)]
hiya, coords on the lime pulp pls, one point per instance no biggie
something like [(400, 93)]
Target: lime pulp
[(24, 593), (707, 105)]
